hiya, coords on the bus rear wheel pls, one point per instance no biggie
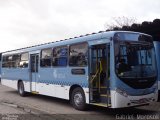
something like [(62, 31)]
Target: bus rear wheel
[(21, 89), (78, 99)]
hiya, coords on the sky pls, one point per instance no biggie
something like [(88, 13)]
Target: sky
[(25, 23)]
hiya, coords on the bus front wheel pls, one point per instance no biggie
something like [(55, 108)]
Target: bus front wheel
[(78, 99), (21, 89)]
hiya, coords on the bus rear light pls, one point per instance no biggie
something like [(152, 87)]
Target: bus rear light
[(122, 92)]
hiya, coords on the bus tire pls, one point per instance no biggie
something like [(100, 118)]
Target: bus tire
[(21, 89), (78, 99)]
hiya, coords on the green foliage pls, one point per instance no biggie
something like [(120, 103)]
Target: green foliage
[(152, 28)]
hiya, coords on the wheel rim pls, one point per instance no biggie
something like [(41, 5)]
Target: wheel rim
[(78, 99)]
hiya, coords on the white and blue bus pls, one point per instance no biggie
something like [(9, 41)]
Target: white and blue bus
[(157, 49), (0, 67), (112, 69)]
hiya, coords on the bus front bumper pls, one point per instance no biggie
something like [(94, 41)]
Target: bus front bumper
[(120, 101)]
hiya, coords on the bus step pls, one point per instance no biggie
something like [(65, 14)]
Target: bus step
[(35, 92), (104, 98), (103, 90), (103, 87), (104, 95), (96, 98), (101, 104)]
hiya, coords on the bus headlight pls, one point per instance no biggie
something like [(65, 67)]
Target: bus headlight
[(122, 92)]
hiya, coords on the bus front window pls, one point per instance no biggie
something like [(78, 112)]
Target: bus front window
[(135, 60)]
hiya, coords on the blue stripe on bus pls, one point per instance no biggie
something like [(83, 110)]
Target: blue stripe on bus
[(65, 83)]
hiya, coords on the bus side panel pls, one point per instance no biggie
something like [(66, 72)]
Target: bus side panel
[(9, 83), (57, 81), (80, 79), (27, 85), (58, 91), (11, 76), (45, 84)]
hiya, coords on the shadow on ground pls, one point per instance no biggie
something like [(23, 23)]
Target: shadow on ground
[(93, 111)]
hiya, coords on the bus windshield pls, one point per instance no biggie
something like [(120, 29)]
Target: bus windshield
[(135, 60)]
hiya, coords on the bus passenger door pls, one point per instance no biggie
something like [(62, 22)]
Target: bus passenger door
[(99, 74), (34, 58)]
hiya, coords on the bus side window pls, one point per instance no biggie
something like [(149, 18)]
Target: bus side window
[(11, 61), (60, 56), (5, 62), (24, 60), (46, 56), (78, 54), (16, 60)]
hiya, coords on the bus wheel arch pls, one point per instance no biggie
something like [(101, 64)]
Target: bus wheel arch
[(21, 89), (77, 97)]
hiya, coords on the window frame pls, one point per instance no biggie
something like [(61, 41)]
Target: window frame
[(5, 61), (87, 55), (44, 58), (12, 61), (67, 55), (24, 60)]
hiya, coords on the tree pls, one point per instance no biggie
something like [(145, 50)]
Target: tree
[(129, 24), (119, 22)]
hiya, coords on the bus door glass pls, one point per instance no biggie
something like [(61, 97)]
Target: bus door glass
[(34, 58), (99, 72)]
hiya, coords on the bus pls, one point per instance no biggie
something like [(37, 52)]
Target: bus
[(157, 49), (0, 67), (114, 69)]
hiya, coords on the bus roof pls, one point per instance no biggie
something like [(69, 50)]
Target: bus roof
[(82, 38)]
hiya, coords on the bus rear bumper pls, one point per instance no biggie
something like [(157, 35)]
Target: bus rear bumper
[(120, 101)]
